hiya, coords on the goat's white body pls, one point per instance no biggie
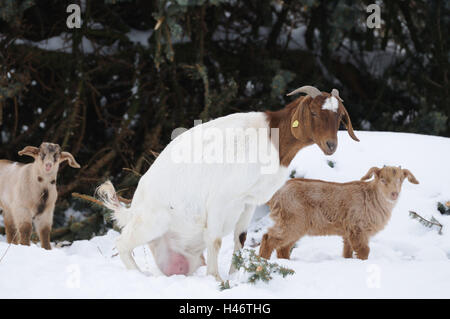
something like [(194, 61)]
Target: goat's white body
[(189, 205)]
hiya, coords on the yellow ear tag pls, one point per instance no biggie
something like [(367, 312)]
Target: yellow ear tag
[(295, 123)]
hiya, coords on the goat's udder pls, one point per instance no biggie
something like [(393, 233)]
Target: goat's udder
[(177, 265)]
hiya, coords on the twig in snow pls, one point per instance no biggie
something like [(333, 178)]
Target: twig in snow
[(427, 223), (100, 251), (6, 251)]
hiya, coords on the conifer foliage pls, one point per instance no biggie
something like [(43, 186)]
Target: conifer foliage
[(112, 91), (256, 268)]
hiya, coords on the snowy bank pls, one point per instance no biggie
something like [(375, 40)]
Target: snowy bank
[(407, 260)]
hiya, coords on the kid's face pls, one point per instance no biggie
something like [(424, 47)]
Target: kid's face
[(49, 156), (391, 180)]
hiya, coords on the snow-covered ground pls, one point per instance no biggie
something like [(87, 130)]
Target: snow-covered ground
[(407, 260)]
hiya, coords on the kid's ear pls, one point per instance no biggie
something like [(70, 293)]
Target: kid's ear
[(66, 156), (410, 176), (30, 151), (370, 173)]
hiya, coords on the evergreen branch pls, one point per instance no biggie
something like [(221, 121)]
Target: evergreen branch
[(444, 209), (133, 171), (427, 223), (88, 199), (258, 268)]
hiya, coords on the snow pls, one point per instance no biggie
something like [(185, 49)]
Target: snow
[(74, 215), (407, 260), (141, 37), (63, 43)]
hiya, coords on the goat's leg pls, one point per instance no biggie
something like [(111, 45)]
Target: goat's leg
[(285, 251), (268, 244), (212, 255), (23, 223), (43, 226), (363, 251), (360, 244), (25, 229), (348, 250), (142, 229), (240, 230), (218, 221), (12, 236)]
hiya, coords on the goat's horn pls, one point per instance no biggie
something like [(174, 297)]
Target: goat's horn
[(335, 93), (310, 90)]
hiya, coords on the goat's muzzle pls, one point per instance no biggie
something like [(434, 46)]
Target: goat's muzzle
[(331, 145), (328, 146)]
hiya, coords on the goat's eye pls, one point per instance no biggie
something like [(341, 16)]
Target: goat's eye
[(313, 113)]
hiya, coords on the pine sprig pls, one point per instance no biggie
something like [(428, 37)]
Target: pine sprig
[(258, 268), (225, 285), (444, 209), (433, 222)]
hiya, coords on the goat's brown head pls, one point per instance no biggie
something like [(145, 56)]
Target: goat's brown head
[(49, 156), (319, 115), (389, 180)]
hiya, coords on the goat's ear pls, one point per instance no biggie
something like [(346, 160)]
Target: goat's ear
[(30, 151), (370, 173), (66, 156), (410, 176), (348, 124)]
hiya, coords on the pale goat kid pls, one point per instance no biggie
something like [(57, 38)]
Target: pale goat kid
[(355, 211), (28, 193), (180, 208)]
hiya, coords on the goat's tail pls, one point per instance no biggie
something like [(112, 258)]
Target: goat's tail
[(107, 194)]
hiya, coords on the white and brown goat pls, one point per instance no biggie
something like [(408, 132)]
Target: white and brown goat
[(182, 207), (28, 193)]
